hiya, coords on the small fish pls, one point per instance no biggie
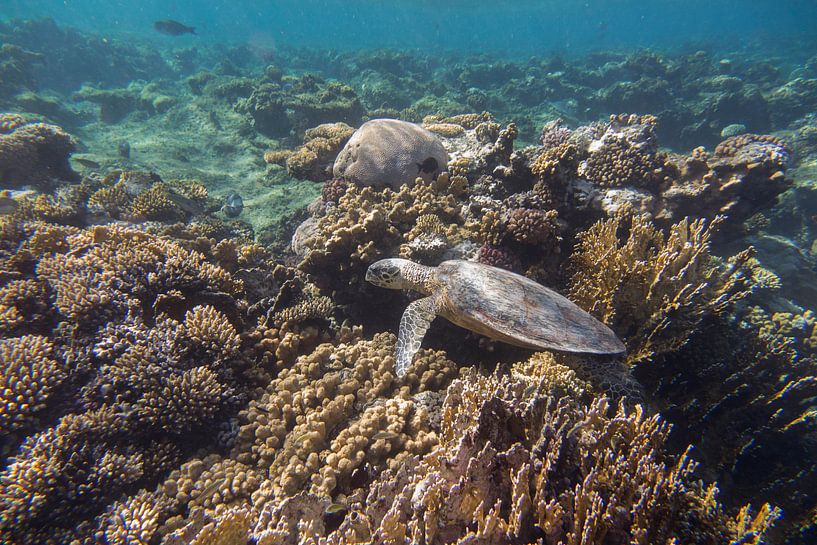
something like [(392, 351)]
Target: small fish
[(335, 508), (124, 149), (233, 205), (428, 166), (88, 163), (388, 435), (212, 487), (214, 121), (173, 28)]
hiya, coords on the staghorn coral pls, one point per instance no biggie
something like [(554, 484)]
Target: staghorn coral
[(155, 204), (102, 280), (143, 196), (23, 306), (652, 289), (33, 153), (144, 382)]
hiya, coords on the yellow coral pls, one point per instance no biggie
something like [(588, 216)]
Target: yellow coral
[(653, 290), (30, 374)]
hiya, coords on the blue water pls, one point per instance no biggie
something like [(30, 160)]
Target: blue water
[(522, 27)]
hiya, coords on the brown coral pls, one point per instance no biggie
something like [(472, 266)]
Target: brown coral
[(651, 289), (33, 153), (30, 376), (531, 226), (313, 160)]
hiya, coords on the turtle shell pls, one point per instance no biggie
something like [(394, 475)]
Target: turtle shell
[(514, 309)]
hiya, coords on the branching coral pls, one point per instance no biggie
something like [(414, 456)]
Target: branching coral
[(33, 153), (140, 196), (746, 402), (514, 465), (367, 224), (313, 160), (653, 289), (30, 376)]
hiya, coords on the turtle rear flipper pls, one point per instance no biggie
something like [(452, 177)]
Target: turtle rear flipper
[(413, 326)]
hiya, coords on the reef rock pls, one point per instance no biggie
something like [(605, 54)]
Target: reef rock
[(390, 152)]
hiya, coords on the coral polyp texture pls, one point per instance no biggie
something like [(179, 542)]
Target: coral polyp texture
[(514, 467), (33, 153), (166, 378)]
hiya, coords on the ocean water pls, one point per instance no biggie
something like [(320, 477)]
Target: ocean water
[(193, 344), (523, 28)]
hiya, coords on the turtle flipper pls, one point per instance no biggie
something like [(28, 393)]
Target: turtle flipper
[(413, 326)]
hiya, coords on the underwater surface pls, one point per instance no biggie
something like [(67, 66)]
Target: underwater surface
[(408, 272)]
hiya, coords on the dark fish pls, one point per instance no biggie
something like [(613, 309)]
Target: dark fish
[(88, 163), (233, 205), (173, 28), (214, 121), (428, 166), (124, 149)]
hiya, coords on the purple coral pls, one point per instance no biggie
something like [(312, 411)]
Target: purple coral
[(554, 134)]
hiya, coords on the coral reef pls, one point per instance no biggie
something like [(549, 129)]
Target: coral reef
[(315, 158), (390, 152), (164, 380), (33, 153), (299, 103), (654, 290), (514, 464)]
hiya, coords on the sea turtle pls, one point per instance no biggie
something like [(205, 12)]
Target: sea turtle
[(490, 301)]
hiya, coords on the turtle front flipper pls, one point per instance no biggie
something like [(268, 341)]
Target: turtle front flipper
[(413, 326)]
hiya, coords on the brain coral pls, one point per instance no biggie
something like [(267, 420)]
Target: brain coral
[(390, 152)]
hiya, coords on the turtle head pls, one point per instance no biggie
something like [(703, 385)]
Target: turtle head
[(389, 273)]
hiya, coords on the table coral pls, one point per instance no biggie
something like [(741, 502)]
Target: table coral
[(33, 153)]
